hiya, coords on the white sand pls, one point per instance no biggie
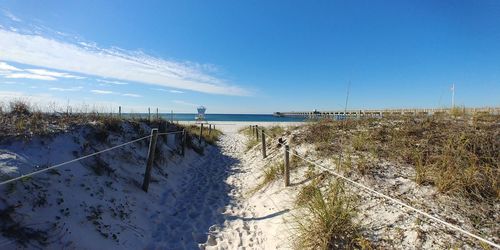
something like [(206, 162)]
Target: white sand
[(252, 220), (206, 201)]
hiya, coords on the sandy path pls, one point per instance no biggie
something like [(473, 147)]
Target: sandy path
[(252, 220), (208, 205)]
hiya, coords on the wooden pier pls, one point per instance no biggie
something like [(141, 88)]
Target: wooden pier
[(386, 112)]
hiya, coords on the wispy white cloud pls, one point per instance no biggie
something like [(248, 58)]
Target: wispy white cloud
[(131, 95), (44, 72), (30, 76), (11, 16), (109, 92), (7, 67), (111, 82), (9, 71), (170, 90), (181, 102), (103, 92), (67, 89), (35, 49)]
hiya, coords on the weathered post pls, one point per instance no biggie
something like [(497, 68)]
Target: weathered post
[(151, 157), (263, 144), (120, 111), (287, 166), (201, 134), (149, 114), (250, 127), (209, 129), (257, 132), (157, 116), (184, 141)]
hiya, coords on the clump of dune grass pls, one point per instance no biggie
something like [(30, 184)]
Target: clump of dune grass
[(210, 137), (271, 173), (326, 219), (306, 193), (19, 107), (251, 141), (275, 131)]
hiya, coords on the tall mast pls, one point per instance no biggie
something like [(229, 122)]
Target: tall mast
[(453, 95)]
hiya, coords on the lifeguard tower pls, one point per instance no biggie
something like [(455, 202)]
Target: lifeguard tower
[(200, 117)]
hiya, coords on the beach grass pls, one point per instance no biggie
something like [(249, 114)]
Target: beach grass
[(210, 137), (325, 219), (458, 154)]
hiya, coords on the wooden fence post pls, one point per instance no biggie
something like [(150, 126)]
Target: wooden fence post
[(263, 144), (149, 114), (250, 127), (184, 141), (157, 116), (151, 157), (209, 129), (257, 132), (201, 134), (287, 166), (120, 111)]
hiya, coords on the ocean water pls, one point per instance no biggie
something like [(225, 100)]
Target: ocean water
[(229, 117)]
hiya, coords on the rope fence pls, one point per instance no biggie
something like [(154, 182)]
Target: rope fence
[(287, 151), (153, 136)]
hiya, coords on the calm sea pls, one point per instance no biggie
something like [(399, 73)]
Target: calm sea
[(229, 117)]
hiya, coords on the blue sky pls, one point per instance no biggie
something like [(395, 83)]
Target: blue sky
[(250, 56)]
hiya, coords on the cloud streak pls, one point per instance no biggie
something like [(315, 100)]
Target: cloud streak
[(185, 103), (103, 92), (66, 89), (109, 92), (34, 49), (9, 71), (131, 95), (6, 67), (171, 91), (44, 72), (29, 76), (11, 16), (111, 82)]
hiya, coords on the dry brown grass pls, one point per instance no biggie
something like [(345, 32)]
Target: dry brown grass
[(271, 173), (326, 218), (210, 138), (458, 154), (251, 139), (21, 119)]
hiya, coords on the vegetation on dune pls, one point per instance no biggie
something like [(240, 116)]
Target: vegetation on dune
[(326, 218), (271, 173), (251, 139), (20, 118), (273, 132), (458, 154), (210, 137)]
